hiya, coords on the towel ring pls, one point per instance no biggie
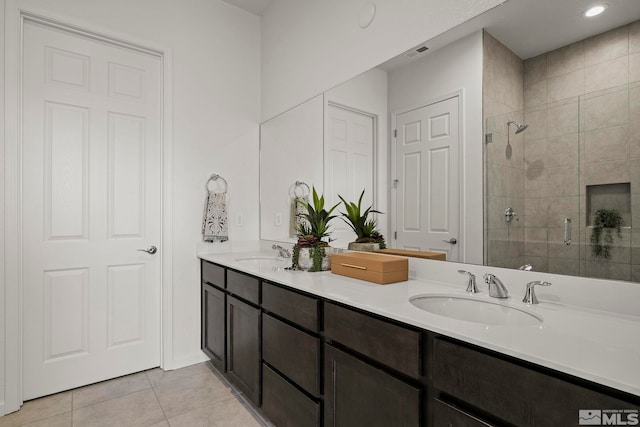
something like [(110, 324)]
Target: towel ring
[(216, 177), (301, 185)]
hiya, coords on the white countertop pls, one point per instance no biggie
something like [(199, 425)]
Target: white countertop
[(597, 345)]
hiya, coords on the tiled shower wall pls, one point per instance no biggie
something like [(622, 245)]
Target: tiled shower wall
[(582, 104), (504, 156)]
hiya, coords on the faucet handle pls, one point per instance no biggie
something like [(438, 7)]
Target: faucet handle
[(530, 295), (471, 283)]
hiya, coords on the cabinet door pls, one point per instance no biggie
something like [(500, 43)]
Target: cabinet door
[(445, 415), (243, 347), (358, 394), (213, 325), (514, 393), (285, 405)]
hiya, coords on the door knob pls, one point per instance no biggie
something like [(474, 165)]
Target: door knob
[(452, 240), (150, 250)]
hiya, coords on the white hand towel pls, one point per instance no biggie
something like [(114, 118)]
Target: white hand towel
[(214, 221), (297, 209)]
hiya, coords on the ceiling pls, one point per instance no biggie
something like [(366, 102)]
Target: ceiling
[(532, 27), (528, 27), (257, 7)]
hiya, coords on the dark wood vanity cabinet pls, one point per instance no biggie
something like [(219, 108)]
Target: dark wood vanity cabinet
[(214, 303), (213, 313), (508, 391), (359, 394), (231, 326), (312, 362), (291, 351), (447, 415), (364, 359), (244, 334)]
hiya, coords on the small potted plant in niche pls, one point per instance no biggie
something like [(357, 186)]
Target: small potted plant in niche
[(604, 222), (311, 253), (368, 239)]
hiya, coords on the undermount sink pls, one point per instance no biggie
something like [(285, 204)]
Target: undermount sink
[(265, 262), (475, 310)]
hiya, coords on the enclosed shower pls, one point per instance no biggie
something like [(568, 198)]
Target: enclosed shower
[(561, 165)]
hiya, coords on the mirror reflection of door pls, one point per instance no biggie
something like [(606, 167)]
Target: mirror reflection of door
[(427, 172), (349, 147)]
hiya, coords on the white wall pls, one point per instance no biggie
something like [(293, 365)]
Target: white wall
[(216, 87), (311, 46), (456, 67)]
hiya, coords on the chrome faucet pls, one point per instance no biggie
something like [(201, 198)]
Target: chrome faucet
[(530, 295), (282, 252), (471, 283), (526, 267), (496, 288)]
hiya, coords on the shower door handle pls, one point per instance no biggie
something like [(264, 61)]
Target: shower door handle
[(567, 231)]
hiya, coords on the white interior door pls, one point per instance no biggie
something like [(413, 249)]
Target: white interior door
[(348, 164), (427, 171), (90, 198)]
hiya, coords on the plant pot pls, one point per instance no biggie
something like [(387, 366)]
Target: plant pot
[(363, 247), (305, 259)]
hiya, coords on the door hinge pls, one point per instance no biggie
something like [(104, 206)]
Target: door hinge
[(395, 235), (395, 133)]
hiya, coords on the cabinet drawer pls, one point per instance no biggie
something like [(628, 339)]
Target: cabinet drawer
[(390, 344), (512, 392), (299, 309), (294, 353), (244, 286), (445, 415), (213, 274), (284, 405)]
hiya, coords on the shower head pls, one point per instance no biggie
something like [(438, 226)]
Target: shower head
[(519, 127)]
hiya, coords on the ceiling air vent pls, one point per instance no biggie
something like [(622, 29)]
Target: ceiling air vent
[(416, 51)]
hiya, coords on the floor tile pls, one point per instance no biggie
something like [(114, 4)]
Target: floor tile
[(190, 396), (183, 395), (136, 409), (158, 376), (38, 409), (107, 390), (227, 412), (62, 420)]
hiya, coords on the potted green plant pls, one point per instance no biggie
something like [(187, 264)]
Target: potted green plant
[(311, 252), (604, 222), (368, 238)]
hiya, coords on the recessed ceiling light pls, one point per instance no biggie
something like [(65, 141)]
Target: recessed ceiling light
[(594, 11)]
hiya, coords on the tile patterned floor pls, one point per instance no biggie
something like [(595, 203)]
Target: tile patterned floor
[(189, 397)]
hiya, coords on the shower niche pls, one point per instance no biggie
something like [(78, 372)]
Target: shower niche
[(611, 197)]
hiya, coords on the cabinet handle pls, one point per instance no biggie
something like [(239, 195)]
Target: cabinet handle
[(359, 267)]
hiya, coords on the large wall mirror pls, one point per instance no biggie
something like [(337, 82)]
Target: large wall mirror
[(516, 134)]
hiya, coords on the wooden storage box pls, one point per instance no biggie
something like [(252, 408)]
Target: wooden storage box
[(372, 267), (440, 256)]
